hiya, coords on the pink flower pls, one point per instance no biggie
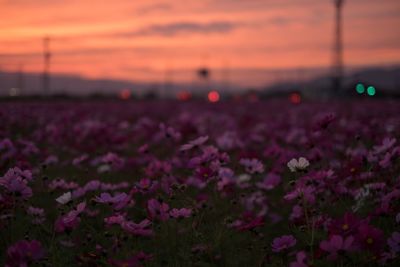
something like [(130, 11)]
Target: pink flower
[(252, 165), (370, 238), (248, 222), (70, 220), (37, 214), (194, 143), (387, 143), (119, 200), (270, 181), (170, 132), (79, 160), (158, 209), (336, 245), (16, 182), (140, 229), (180, 213), (306, 192), (300, 260), (115, 219), (23, 253), (394, 242), (282, 243), (346, 225)]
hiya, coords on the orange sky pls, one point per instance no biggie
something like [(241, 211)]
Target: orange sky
[(140, 39)]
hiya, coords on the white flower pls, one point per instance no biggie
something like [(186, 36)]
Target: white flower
[(243, 178), (64, 198), (300, 164), (103, 168)]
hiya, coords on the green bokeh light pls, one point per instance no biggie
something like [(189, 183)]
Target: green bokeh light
[(371, 91), (360, 88)]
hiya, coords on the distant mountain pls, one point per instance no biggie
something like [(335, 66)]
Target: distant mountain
[(385, 79), (313, 80)]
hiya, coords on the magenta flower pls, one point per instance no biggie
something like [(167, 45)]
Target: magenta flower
[(23, 253), (336, 245), (346, 225), (141, 229), (301, 258), (157, 210), (283, 243), (252, 165), (270, 181), (180, 213), (306, 192), (194, 143), (118, 201), (37, 215), (394, 242), (115, 219), (387, 143), (370, 238), (70, 220), (249, 221), (16, 181)]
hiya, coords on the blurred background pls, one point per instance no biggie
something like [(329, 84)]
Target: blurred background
[(184, 49)]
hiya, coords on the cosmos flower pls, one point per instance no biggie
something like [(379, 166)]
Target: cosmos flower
[(347, 225), (119, 200), (394, 242), (301, 258), (283, 243), (336, 245), (387, 143), (252, 165), (370, 238), (37, 214), (16, 182), (271, 180), (71, 219), (180, 213), (23, 253), (157, 209), (140, 229), (298, 165), (194, 143), (64, 198)]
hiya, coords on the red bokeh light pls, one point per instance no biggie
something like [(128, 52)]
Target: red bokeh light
[(125, 94), (295, 98), (184, 96), (213, 96)]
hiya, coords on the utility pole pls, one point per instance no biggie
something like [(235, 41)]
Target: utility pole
[(46, 68), (337, 77)]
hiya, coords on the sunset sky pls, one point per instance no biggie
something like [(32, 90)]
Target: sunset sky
[(141, 39)]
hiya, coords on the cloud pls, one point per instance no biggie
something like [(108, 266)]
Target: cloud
[(184, 28), (161, 7)]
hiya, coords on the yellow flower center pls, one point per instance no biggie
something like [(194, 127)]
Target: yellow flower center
[(370, 241), (352, 169), (345, 227)]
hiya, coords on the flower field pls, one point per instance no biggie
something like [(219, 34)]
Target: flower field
[(198, 184)]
